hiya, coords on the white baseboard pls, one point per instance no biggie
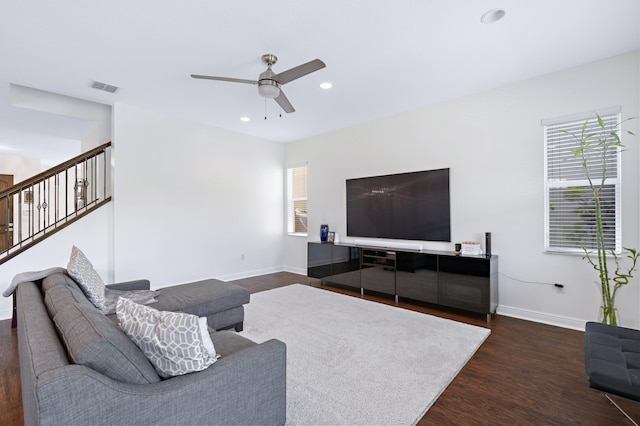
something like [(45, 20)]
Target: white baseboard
[(541, 317), (293, 270), (6, 314), (249, 274), (265, 271)]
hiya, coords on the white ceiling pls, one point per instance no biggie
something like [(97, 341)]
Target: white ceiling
[(382, 57)]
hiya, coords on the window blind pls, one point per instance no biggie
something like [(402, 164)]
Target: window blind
[(297, 199), (570, 221)]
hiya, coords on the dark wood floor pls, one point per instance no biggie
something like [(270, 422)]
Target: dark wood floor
[(524, 374)]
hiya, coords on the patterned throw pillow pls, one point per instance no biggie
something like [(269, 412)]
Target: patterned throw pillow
[(82, 272), (176, 343)]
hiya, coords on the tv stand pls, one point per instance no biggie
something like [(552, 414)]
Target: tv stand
[(436, 277)]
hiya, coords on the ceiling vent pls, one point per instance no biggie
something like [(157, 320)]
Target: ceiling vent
[(104, 86)]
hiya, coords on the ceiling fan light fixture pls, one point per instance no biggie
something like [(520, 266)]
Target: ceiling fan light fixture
[(269, 89)]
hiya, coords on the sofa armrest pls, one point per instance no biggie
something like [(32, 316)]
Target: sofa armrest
[(131, 285), (245, 387)]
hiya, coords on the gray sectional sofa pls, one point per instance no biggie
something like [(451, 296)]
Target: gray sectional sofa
[(78, 367)]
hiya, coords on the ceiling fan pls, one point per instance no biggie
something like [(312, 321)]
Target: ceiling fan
[(270, 83)]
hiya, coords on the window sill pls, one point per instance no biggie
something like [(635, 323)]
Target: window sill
[(564, 253), (297, 234), (593, 253)]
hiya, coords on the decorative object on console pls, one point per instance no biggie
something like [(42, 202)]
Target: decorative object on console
[(471, 247), (487, 244), (331, 237), (458, 248), (324, 233)]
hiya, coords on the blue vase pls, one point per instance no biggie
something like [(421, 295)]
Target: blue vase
[(324, 232)]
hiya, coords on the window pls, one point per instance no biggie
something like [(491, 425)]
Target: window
[(570, 221), (297, 200)]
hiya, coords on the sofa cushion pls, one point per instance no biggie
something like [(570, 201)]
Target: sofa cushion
[(229, 342), (81, 270), (175, 343), (56, 298), (93, 340), (202, 298)]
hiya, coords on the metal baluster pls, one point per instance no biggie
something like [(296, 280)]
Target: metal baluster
[(56, 212)]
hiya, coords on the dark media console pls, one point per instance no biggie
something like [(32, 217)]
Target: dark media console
[(441, 278)]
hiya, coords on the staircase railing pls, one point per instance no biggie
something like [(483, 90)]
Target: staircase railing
[(49, 201)]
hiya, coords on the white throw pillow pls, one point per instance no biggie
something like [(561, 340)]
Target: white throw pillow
[(175, 343), (206, 338), (82, 272)]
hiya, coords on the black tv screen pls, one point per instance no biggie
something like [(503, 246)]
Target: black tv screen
[(407, 206)]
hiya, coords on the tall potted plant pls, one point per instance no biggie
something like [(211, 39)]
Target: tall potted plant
[(599, 139)]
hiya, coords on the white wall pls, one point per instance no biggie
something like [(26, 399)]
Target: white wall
[(20, 167), (493, 144), (41, 100), (190, 200)]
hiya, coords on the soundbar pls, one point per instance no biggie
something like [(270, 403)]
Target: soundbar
[(388, 244)]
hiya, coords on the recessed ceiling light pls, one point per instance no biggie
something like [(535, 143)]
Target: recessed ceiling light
[(245, 119), (492, 16), (326, 85)]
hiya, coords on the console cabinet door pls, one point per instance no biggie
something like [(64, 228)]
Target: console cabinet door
[(463, 282), (417, 276), (319, 260), (345, 265), (378, 279)]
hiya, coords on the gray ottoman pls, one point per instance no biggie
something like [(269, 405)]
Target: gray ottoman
[(219, 301), (612, 359)]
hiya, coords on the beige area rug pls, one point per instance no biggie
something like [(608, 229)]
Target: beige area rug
[(351, 361)]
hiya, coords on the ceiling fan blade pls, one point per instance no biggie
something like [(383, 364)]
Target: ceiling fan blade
[(233, 80), (299, 71), (284, 103)]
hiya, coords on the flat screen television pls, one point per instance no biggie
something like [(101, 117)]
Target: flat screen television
[(406, 206)]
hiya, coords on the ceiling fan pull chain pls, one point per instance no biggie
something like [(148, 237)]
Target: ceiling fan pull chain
[(265, 108)]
